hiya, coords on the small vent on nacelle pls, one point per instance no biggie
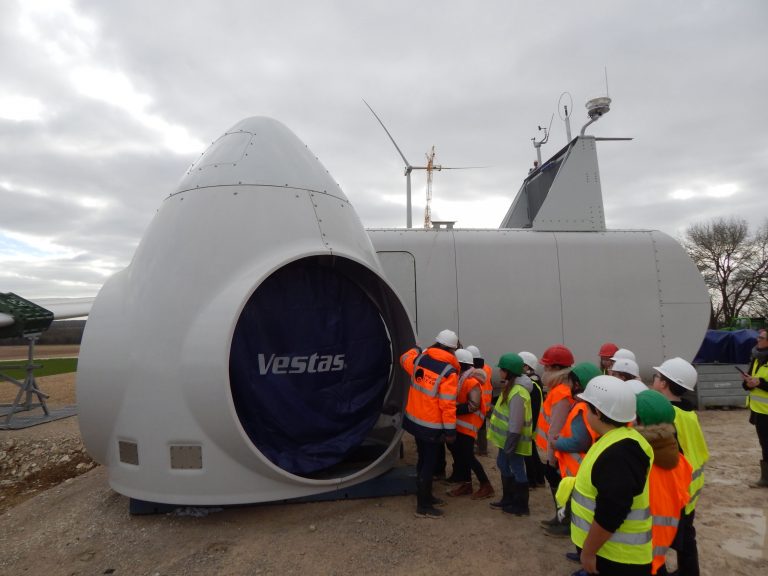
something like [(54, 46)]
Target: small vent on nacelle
[(186, 457), (129, 452)]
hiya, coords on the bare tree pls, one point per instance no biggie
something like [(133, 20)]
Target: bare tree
[(734, 263)]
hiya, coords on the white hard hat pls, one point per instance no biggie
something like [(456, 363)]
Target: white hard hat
[(624, 353), (447, 338), (626, 365), (463, 356), (529, 358), (678, 371), (612, 397), (475, 351), (636, 386)]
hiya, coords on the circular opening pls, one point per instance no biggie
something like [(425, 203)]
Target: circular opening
[(310, 370)]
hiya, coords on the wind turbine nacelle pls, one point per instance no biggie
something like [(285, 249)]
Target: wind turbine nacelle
[(248, 353)]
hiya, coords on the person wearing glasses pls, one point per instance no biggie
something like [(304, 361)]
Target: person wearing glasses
[(756, 383)]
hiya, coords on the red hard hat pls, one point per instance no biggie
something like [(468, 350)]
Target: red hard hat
[(557, 355), (607, 350)]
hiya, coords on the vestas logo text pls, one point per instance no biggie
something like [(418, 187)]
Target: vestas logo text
[(300, 364)]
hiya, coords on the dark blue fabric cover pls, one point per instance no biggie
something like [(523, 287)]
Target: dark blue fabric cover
[(726, 347), (306, 413)]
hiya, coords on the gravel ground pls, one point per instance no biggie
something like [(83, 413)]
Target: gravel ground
[(58, 515)]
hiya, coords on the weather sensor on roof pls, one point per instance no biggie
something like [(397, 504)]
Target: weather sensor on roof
[(598, 106)]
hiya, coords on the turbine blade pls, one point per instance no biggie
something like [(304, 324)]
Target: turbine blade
[(407, 164)]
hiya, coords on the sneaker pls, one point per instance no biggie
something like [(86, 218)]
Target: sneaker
[(517, 510), (464, 489), (485, 491), (551, 522), (436, 502), (573, 556), (558, 531), (431, 513)]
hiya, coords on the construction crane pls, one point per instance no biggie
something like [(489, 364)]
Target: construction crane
[(429, 168)]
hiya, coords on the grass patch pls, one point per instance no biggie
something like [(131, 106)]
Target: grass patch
[(48, 367)]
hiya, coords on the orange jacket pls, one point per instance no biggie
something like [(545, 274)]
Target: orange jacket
[(557, 394), (668, 495), (470, 422), (487, 388), (569, 462), (431, 408)]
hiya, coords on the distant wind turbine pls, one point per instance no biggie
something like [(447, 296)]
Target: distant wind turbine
[(409, 168)]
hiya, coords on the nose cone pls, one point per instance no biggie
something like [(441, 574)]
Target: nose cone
[(259, 151), (247, 353)]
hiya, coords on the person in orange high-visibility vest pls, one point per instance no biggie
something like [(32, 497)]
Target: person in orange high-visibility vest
[(670, 474), (575, 438), (470, 415), (478, 360), (430, 414), (673, 378), (557, 361)]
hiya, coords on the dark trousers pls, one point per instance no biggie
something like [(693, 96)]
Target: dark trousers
[(464, 460), (685, 546), (609, 568), (761, 427), (440, 464), (534, 468), (462, 452), (425, 468), (482, 437), (552, 474)]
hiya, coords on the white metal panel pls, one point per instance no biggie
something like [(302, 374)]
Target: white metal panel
[(575, 200), (400, 269), (433, 252), (509, 291), (610, 292)]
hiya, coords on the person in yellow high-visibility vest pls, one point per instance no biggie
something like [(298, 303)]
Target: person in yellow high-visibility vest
[(673, 378), (610, 504), (756, 383)]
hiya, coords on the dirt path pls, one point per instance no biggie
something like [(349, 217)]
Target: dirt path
[(20, 352), (81, 526)]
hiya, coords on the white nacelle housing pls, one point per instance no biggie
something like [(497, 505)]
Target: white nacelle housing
[(509, 290), (248, 352)]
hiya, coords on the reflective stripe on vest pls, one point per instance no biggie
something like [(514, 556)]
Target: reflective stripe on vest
[(757, 401), (469, 423), (498, 426), (557, 394), (569, 462), (694, 447), (668, 496), (433, 392), (631, 543)]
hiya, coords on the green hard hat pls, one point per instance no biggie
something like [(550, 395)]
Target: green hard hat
[(585, 371), (654, 408), (512, 363)]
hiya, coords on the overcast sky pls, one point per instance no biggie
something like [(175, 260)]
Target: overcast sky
[(103, 106)]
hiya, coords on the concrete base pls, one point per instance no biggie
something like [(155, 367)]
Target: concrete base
[(399, 481)]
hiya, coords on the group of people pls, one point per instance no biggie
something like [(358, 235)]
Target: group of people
[(624, 460)]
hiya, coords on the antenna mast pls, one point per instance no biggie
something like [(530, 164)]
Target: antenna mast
[(538, 144)]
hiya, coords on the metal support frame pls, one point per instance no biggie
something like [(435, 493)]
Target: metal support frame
[(28, 388)]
